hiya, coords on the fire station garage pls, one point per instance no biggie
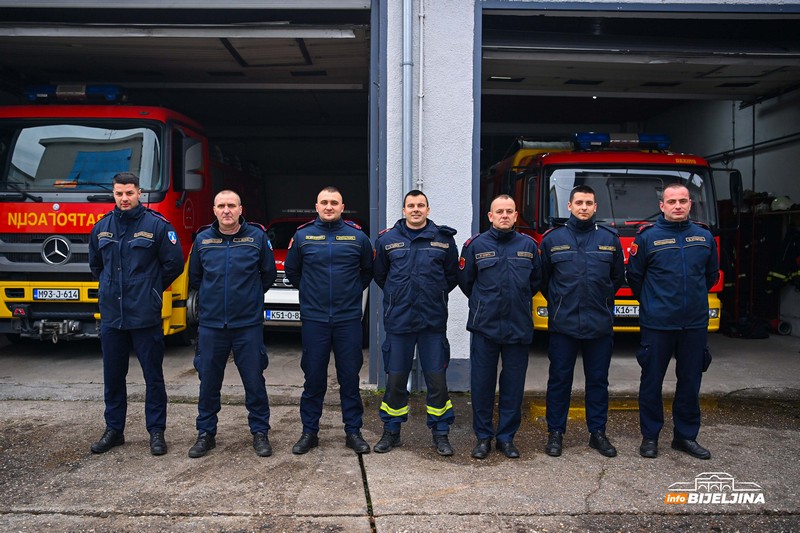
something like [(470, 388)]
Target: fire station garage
[(378, 97)]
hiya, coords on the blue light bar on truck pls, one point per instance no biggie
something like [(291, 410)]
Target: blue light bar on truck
[(621, 141), (75, 93)]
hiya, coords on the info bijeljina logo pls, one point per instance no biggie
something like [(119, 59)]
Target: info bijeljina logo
[(714, 488)]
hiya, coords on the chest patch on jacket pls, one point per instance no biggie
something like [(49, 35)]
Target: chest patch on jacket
[(394, 245), (243, 239), (560, 248), (662, 242), (696, 238), (105, 235), (607, 248), (525, 254), (145, 234), (315, 237), (484, 255), (211, 241), (440, 244), (345, 237)]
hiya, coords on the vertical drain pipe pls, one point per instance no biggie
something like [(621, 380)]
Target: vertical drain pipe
[(421, 92), (408, 79)]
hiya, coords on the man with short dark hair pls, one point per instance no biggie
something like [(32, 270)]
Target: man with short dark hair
[(135, 254), (231, 267), (672, 266), (416, 265), (582, 268), (330, 262)]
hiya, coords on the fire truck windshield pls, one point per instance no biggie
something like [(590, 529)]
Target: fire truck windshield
[(627, 197), (64, 157)]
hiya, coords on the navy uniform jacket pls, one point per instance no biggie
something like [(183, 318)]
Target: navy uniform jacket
[(331, 264), (135, 255), (671, 268), (416, 275), (232, 273), (500, 271), (582, 268)]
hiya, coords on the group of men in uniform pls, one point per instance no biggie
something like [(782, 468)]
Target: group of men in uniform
[(578, 267)]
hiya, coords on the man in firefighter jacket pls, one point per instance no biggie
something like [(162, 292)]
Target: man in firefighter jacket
[(673, 264), (135, 254), (582, 268), (330, 262), (416, 265), (499, 271), (231, 267)]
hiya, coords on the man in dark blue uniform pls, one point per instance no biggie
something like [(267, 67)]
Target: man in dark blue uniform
[(672, 266), (135, 254), (582, 268), (231, 267), (499, 271), (416, 265), (330, 262)]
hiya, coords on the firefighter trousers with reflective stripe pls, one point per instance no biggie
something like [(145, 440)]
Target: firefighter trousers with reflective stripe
[(434, 356)]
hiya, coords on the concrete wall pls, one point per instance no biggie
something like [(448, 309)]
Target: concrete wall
[(448, 112)]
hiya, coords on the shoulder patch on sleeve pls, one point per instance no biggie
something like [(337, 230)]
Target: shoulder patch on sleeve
[(644, 227)]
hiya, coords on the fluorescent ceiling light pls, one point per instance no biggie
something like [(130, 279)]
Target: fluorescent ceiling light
[(233, 31)]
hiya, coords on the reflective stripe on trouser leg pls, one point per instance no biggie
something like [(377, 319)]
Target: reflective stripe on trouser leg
[(394, 408), (439, 407)]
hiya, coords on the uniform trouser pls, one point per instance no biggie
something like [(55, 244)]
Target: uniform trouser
[(318, 339), (148, 343), (654, 354), (563, 352), (250, 356), (434, 356), (484, 356)]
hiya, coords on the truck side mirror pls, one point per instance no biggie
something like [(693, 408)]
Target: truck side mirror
[(735, 178), (192, 164)]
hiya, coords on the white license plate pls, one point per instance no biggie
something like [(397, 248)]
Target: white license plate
[(626, 310), (55, 294), (282, 315)]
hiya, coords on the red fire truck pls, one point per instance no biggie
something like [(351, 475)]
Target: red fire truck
[(628, 174), (57, 164)]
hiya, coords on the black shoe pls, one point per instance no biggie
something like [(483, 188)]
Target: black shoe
[(204, 443), (600, 442), (388, 441), (357, 443), (555, 443), (508, 449), (691, 447), (261, 444), (442, 445), (306, 442), (482, 448), (649, 448), (110, 438), (158, 446)]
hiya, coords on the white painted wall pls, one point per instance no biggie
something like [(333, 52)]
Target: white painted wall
[(446, 129)]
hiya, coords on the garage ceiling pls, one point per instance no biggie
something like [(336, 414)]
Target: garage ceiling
[(547, 67)]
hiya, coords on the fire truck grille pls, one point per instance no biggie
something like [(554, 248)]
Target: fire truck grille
[(22, 249)]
